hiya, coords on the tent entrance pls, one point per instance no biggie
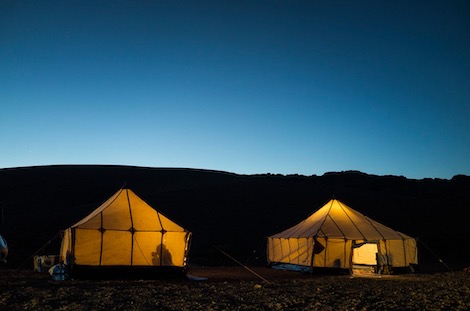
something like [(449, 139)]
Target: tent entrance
[(364, 258)]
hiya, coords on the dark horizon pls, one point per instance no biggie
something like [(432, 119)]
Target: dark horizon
[(39, 202), (351, 171)]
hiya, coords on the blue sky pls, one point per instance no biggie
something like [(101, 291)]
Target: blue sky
[(287, 87)]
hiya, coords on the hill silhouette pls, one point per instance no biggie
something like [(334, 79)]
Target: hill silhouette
[(232, 212)]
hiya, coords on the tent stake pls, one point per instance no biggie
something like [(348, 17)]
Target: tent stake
[(238, 262)]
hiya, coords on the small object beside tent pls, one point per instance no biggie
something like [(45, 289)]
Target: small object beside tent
[(125, 232), (45, 262), (336, 236), (59, 272), (3, 250)]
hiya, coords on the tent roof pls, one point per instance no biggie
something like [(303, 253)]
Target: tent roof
[(126, 211), (337, 220)]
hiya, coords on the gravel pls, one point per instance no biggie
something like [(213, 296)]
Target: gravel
[(237, 289)]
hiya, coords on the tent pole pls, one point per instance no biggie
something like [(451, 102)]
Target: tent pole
[(161, 248), (313, 254), (102, 238), (132, 225), (404, 252)]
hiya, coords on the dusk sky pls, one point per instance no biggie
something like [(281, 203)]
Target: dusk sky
[(282, 87)]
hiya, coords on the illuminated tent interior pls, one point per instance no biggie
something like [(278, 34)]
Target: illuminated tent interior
[(125, 231), (336, 236)]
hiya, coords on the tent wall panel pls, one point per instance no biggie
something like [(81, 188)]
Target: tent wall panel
[(92, 223), (319, 257), (274, 250), (169, 225), (145, 251), (295, 251), (87, 247), (411, 252), (401, 253), (143, 218), (66, 245), (173, 248), (117, 248), (119, 216), (335, 256), (298, 250)]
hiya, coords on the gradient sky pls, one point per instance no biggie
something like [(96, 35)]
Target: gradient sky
[(282, 87)]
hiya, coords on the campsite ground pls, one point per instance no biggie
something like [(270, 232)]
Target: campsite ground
[(234, 288)]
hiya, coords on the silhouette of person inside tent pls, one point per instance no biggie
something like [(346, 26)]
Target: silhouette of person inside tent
[(162, 256)]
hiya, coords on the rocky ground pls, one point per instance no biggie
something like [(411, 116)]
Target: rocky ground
[(237, 289)]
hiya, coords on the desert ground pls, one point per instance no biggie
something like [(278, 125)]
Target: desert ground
[(235, 288)]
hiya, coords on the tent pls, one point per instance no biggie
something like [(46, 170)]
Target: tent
[(336, 236), (125, 232)]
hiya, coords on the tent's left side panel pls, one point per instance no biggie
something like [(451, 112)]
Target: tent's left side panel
[(87, 247), (66, 247)]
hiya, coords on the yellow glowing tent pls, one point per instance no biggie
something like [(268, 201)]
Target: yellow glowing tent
[(125, 231), (336, 236)]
